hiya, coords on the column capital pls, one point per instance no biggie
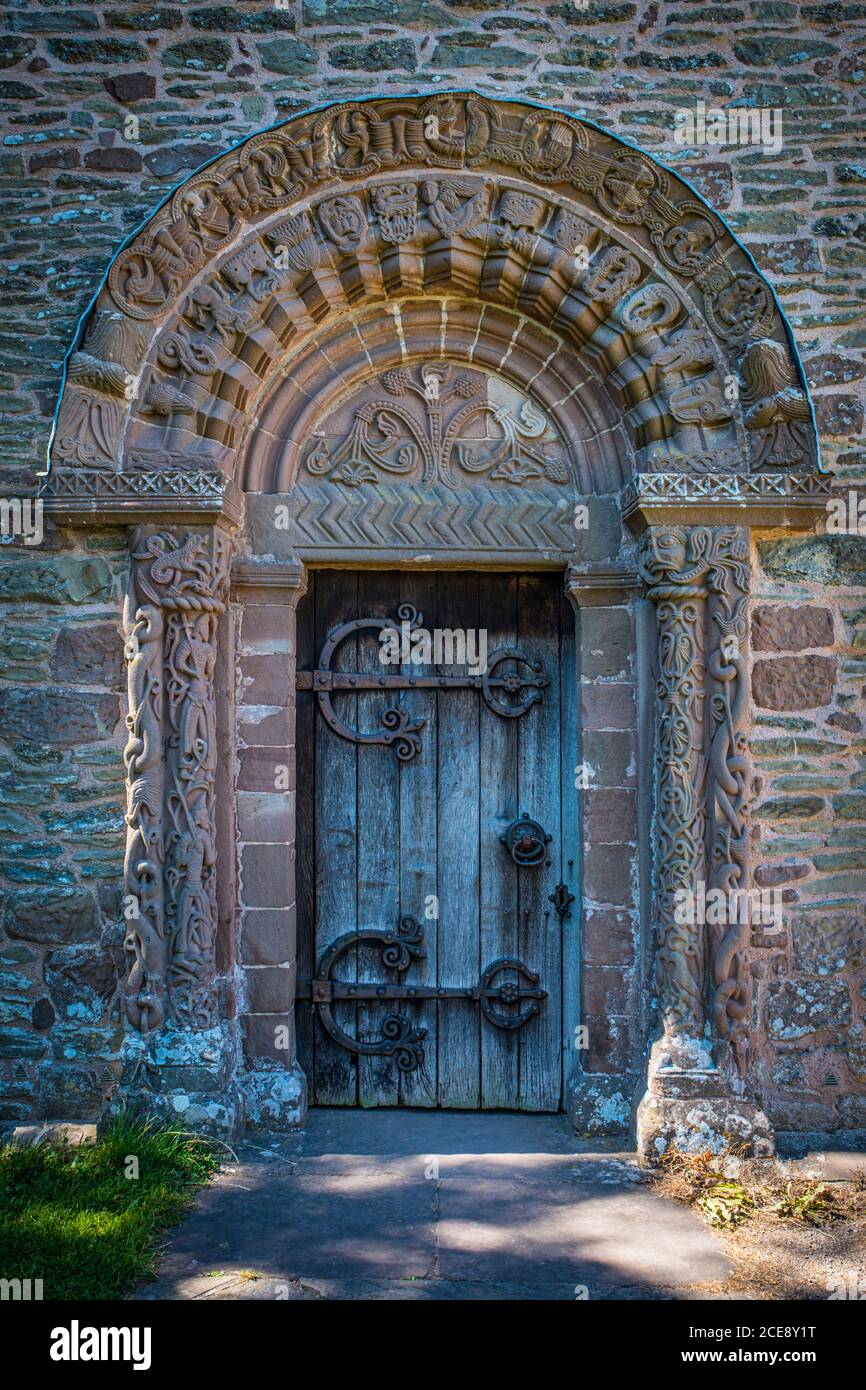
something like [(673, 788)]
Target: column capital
[(600, 586), (269, 581)]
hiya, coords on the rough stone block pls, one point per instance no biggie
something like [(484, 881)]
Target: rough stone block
[(57, 916), (609, 937), (794, 682), (610, 757), (790, 628), (270, 989), (828, 942), (268, 936), (606, 643), (90, 654), (265, 875), (266, 817), (608, 875), (265, 1037), (796, 1008), (53, 715)]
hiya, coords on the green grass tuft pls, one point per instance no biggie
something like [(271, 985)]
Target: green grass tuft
[(74, 1219)]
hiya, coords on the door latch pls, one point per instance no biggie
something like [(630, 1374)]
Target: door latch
[(562, 900)]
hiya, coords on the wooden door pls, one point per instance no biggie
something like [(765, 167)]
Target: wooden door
[(429, 1017)]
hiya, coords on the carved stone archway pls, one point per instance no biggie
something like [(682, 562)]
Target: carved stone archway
[(430, 262)]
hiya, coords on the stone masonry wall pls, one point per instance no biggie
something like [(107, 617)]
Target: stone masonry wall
[(61, 824), (105, 107)]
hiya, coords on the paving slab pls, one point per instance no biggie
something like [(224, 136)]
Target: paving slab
[(415, 1205)]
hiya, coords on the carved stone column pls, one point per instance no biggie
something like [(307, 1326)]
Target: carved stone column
[(180, 1052), (698, 578)]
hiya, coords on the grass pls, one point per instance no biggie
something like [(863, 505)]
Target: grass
[(86, 1220)]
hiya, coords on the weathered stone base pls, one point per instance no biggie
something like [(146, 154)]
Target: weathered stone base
[(194, 1077), (602, 1105), (275, 1097), (689, 1105), (184, 1075)]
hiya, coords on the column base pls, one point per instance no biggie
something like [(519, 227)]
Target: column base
[(183, 1075), (690, 1105), (602, 1106), (275, 1097)]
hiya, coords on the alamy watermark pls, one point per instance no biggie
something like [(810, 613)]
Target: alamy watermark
[(21, 519), (846, 516), (439, 646), (736, 125), (717, 907)]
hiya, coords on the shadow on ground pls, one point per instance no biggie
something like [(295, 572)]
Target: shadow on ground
[(435, 1205)]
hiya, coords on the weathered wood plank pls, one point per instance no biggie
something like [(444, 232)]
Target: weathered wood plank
[(336, 837), (458, 843), (378, 819), (571, 837), (539, 764), (418, 882), (305, 828), (497, 613)]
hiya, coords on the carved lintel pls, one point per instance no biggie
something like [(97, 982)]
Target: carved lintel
[(698, 578), (176, 596)]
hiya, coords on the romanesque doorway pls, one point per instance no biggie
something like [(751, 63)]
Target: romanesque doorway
[(425, 334), (443, 836)]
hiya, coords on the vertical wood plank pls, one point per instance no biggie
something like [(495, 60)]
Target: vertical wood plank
[(418, 845), (497, 613), (538, 932), (378, 837), (305, 829), (571, 836), (458, 854), (336, 836)]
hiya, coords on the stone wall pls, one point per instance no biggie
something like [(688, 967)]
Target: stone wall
[(61, 824), (809, 639), (105, 107)]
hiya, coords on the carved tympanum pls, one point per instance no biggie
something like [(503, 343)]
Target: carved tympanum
[(175, 598), (436, 424)]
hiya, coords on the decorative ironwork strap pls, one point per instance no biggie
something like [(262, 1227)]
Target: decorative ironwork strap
[(399, 1038), (400, 729)]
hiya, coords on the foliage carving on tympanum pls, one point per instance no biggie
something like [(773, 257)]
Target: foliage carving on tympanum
[(438, 424)]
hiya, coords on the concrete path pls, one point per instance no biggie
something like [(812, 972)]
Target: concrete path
[(414, 1204)]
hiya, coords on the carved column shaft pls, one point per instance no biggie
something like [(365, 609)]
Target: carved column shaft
[(730, 788), (175, 598), (676, 587), (698, 579)]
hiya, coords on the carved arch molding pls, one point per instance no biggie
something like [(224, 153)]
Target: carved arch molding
[(429, 325)]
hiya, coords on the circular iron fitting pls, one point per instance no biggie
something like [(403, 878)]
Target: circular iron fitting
[(526, 841), (523, 992)]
